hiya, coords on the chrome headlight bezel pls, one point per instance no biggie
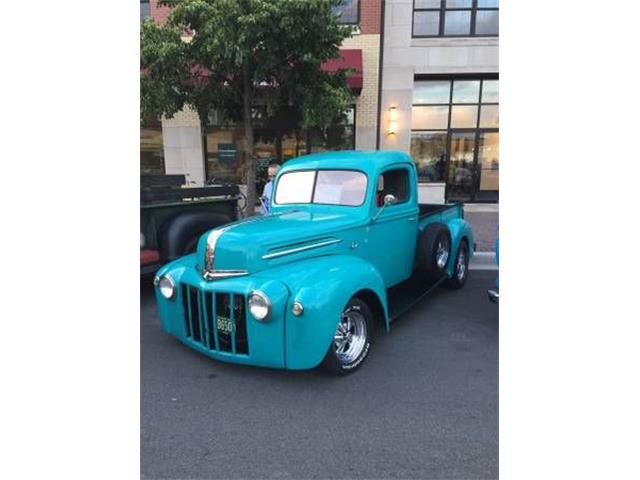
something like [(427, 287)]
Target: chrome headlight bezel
[(166, 286), (259, 299)]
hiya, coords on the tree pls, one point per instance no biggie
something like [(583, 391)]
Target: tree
[(238, 53)]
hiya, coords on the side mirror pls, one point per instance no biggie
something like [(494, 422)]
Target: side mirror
[(389, 199)]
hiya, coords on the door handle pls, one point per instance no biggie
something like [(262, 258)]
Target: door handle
[(412, 219)]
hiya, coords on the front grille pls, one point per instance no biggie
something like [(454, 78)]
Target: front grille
[(215, 320)]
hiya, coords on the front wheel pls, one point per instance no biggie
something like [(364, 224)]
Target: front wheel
[(351, 340), (461, 270)]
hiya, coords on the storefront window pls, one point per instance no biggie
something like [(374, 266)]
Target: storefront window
[(489, 159), (340, 136), (225, 143), (151, 148), (454, 136), (429, 151), (225, 153)]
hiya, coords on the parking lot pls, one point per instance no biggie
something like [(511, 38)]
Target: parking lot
[(424, 404)]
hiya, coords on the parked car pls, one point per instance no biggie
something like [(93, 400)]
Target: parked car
[(346, 248), (173, 217)]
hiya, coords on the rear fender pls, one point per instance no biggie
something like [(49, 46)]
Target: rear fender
[(459, 229), (323, 286)]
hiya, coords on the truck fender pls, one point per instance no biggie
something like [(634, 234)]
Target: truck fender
[(177, 233), (459, 229), (323, 286)]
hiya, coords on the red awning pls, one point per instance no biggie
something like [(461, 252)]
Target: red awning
[(349, 59)]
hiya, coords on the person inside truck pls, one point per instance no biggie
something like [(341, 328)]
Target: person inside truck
[(265, 199)]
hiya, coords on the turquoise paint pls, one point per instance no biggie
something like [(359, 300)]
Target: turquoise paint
[(359, 254), (323, 285)]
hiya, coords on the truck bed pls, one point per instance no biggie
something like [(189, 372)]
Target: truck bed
[(428, 209), (405, 295)]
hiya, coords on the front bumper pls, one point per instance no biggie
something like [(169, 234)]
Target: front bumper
[(212, 317)]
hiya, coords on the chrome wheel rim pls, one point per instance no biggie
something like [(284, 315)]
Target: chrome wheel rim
[(350, 337), (442, 253), (461, 266)]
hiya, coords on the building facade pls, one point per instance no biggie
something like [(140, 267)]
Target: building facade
[(425, 81), (439, 94)]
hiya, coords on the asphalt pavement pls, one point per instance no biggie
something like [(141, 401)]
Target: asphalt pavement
[(423, 405)]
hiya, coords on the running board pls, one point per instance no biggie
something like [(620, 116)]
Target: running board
[(402, 297)]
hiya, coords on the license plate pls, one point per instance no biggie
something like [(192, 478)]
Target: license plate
[(225, 324)]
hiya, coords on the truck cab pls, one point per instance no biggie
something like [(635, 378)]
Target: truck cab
[(345, 249)]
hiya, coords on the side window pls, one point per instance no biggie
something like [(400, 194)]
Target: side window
[(394, 182)]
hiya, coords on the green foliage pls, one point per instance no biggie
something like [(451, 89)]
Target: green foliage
[(241, 53)]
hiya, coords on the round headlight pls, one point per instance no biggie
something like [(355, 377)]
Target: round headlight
[(259, 305), (167, 286)]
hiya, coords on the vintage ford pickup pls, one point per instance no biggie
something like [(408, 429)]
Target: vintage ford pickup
[(345, 249)]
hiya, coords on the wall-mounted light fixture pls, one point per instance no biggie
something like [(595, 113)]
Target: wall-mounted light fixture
[(393, 121)]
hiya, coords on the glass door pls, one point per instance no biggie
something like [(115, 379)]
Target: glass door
[(461, 181), (488, 162)]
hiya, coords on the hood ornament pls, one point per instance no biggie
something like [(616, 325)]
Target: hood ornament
[(210, 250)]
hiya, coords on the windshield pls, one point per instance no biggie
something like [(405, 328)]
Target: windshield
[(329, 187)]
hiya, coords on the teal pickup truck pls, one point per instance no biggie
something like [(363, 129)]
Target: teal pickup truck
[(345, 249)]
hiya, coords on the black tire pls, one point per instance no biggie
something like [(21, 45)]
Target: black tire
[(429, 242), (176, 235), (335, 363), (192, 245), (461, 270)]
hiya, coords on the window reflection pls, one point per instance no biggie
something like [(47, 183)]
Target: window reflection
[(461, 169), (466, 91), (490, 91), (431, 91), (151, 148), (427, 3), (456, 142), (489, 116), (429, 118), (489, 160), (459, 3), (428, 150), (347, 11), (487, 22), (464, 116), (457, 22), (226, 145), (426, 23), (461, 18)]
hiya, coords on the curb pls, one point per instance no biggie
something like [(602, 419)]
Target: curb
[(482, 207), (483, 261)]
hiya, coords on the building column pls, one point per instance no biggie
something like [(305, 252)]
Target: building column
[(367, 102), (397, 91)]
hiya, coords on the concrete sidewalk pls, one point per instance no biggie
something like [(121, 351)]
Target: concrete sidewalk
[(483, 218)]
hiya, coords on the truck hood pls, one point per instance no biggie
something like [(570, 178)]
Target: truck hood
[(256, 243)]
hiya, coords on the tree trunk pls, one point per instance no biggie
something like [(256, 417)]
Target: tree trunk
[(248, 132), (279, 147)]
